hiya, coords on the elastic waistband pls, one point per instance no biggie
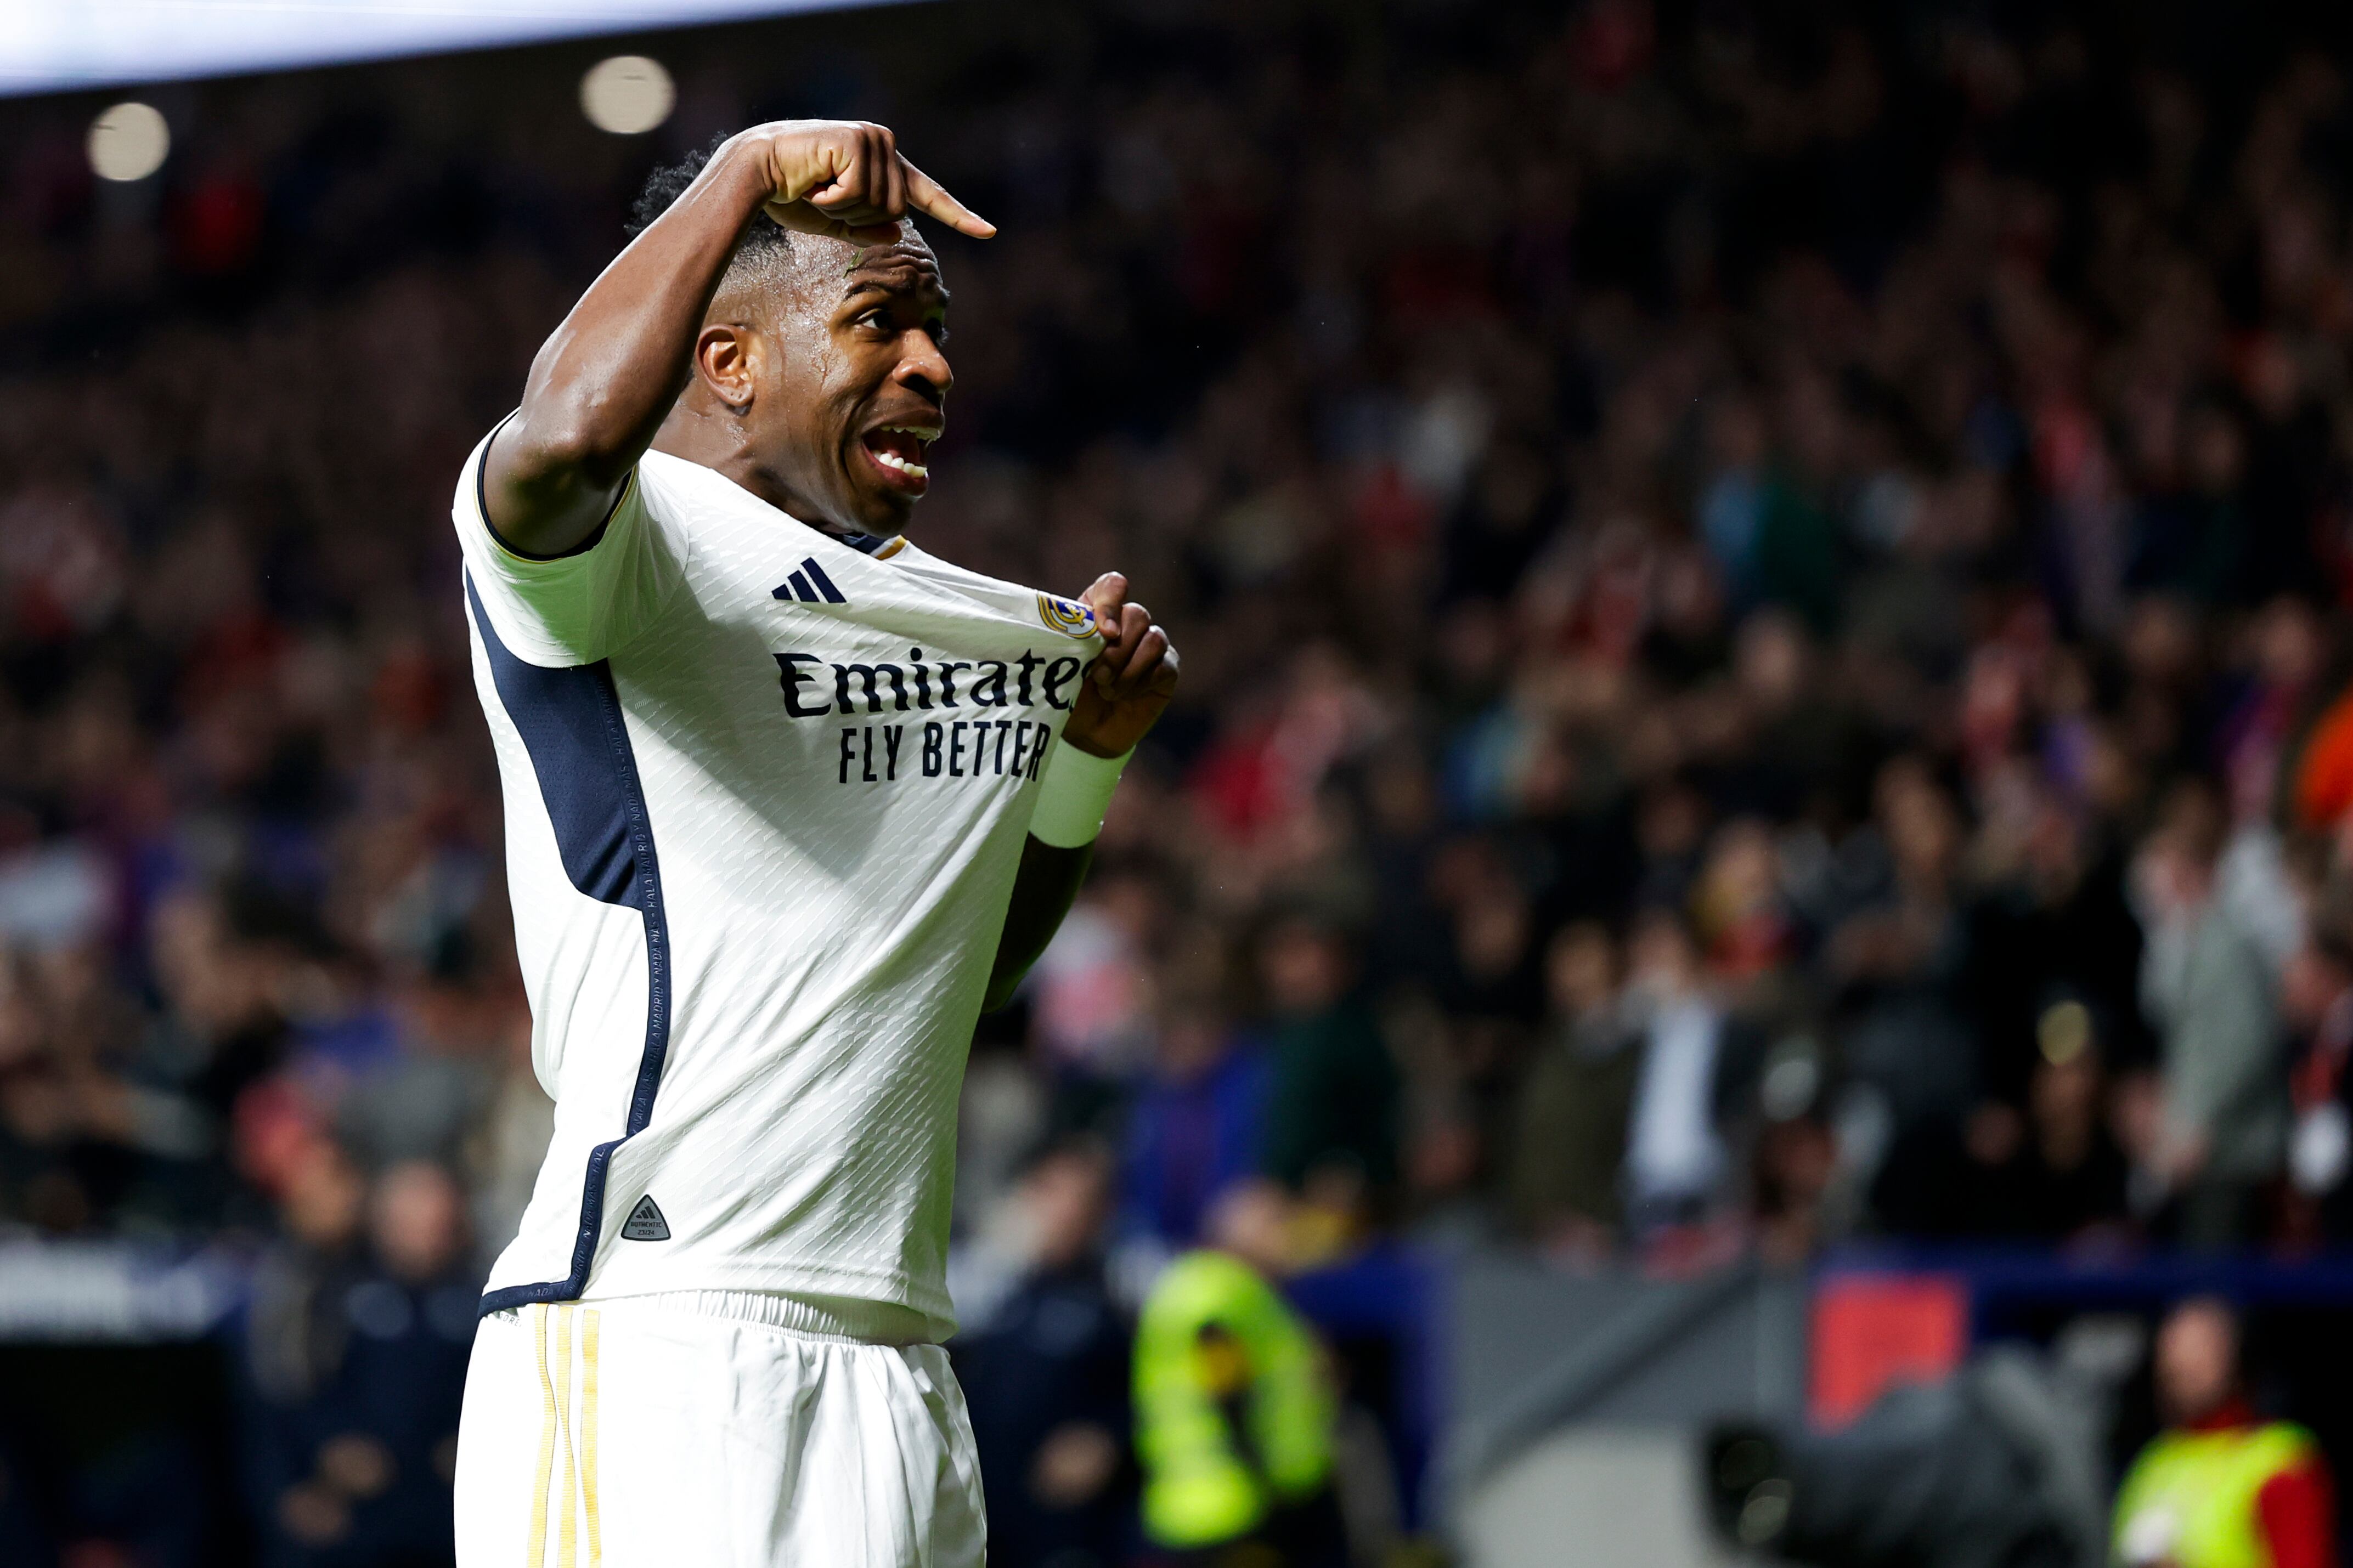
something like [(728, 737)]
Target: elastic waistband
[(823, 1317)]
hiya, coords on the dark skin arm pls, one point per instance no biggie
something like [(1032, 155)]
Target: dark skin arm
[(606, 379), (1043, 891), (1127, 687)]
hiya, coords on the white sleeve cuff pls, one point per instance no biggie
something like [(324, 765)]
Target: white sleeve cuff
[(1073, 793)]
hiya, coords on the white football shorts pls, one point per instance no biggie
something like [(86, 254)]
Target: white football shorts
[(667, 1430)]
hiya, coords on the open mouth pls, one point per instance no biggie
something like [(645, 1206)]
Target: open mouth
[(897, 453)]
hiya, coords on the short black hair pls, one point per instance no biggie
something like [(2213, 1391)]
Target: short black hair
[(762, 240)]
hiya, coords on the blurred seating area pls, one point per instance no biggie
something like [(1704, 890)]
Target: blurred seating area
[(1762, 600)]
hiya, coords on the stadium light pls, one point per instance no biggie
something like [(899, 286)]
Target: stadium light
[(628, 94), (128, 142)]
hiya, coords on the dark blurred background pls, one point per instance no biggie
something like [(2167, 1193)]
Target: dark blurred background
[(1763, 591)]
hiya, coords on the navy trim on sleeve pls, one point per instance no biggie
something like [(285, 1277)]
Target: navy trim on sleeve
[(482, 505), (571, 723)]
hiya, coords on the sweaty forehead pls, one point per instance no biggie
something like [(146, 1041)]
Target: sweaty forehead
[(818, 274), (904, 266)]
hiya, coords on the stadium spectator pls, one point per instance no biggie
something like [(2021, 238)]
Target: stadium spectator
[(2206, 983), (1046, 1377), (1194, 1128), (1570, 1141), (1234, 1411), (1332, 1097), (1677, 1162), (357, 1356), (2064, 1178), (2316, 1000), (2220, 1485)]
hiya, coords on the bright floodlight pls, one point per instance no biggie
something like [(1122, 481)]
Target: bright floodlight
[(627, 95), (128, 142)]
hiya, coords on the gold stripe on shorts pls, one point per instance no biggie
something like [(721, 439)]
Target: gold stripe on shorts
[(567, 1530), (546, 1444), (588, 1433)]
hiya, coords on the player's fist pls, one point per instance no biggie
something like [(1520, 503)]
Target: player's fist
[(846, 179), (1129, 682)]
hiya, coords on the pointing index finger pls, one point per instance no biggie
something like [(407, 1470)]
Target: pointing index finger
[(926, 195)]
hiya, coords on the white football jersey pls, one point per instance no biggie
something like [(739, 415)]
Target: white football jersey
[(765, 797)]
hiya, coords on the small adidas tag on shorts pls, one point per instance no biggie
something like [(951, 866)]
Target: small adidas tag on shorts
[(645, 1222)]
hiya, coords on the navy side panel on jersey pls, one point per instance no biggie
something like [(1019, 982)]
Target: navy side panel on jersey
[(570, 722)]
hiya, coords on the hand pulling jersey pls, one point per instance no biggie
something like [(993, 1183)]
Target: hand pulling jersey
[(765, 797)]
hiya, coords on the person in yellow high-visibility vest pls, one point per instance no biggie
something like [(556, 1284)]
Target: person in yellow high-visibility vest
[(1234, 1402), (2218, 1489)]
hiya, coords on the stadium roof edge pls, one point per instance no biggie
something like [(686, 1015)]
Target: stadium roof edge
[(99, 44)]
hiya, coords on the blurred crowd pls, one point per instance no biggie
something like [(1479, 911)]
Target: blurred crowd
[(1760, 598)]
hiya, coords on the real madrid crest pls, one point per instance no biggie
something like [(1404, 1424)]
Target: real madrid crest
[(1066, 615)]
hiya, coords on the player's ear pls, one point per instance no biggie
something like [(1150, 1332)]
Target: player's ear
[(722, 358)]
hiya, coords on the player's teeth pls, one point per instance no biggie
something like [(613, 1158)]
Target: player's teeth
[(892, 461)]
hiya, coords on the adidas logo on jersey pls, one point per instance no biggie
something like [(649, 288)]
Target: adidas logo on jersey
[(810, 586), (645, 1222)]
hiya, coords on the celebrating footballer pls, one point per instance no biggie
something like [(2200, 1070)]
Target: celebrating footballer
[(789, 803)]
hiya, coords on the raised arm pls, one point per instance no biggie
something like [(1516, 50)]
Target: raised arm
[(603, 384)]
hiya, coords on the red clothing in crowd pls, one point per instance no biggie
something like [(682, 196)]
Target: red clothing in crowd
[(2296, 1509)]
